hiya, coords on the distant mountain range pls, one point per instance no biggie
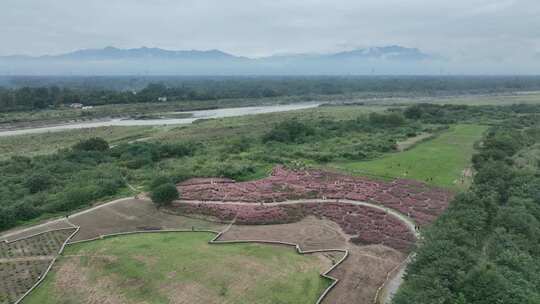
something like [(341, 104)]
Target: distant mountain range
[(112, 53), (114, 61)]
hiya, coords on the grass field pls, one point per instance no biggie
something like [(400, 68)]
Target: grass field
[(439, 161), (180, 268), (47, 143)]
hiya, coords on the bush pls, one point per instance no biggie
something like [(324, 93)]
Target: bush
[(38, 182), (235, 171), (92, 144), (177, 150), (238, 145), (75, 198), (164, 195), (387, 120), (160, 180), (290, 131), (7, 218), (413, 112)]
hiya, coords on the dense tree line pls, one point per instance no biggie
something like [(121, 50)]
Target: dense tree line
[(486, 248), (34, 93)]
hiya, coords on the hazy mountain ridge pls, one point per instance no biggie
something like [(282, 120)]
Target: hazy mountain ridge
[(112, 53), (108, 53), (114, 61)]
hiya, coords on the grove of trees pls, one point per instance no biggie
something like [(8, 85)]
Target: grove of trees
[(35, 93)]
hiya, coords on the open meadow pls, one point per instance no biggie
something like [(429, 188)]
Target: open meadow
[(181, 268), (443, 161)]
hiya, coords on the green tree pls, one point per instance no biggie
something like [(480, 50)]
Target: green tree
[(164, 195), (38, 182), (413, 112), (160, 180)]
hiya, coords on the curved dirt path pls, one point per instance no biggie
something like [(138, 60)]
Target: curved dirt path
[(405, 219)]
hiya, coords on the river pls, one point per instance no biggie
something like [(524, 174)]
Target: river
[(196, 115)]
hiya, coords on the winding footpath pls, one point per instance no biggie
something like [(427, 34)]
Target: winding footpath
[(405, 219)]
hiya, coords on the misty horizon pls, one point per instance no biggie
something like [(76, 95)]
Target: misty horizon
[(480, 37)]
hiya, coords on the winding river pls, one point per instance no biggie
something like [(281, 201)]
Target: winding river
[(196, 115)]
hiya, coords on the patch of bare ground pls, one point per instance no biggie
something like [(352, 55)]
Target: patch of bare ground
[(362, 273), (412, 141), (73, 283), (310, 233), (133, 215), (466, 177), (188, 293)]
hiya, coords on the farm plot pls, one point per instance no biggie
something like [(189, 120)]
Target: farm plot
[(421, 202), (20, 233), (24, 261), (181, 268)]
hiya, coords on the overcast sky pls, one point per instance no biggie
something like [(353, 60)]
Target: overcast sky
[(498, 30)]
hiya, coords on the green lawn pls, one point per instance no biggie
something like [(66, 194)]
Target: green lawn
[(439, 161), (180, 268)]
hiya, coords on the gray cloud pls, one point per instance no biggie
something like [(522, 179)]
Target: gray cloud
[(465, 30)]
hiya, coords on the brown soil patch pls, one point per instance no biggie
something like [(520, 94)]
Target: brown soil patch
[(310, 233), (362, 273), (72, 282), (189, 293), (133, 215), (147, 260), (412, 141)]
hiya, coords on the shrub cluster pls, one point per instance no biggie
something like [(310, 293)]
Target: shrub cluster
[(73, 178)]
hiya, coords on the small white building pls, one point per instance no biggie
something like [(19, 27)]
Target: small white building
[(162, 99), (88, 107), (76, 105)]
